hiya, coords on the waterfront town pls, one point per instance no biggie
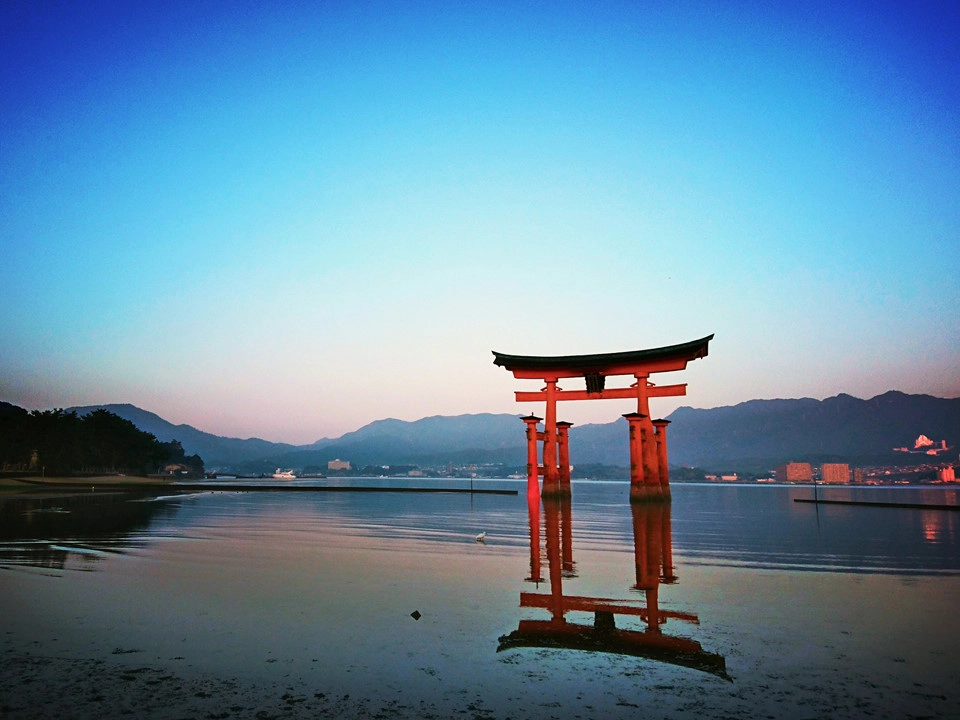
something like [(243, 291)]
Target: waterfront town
[(930, 473)]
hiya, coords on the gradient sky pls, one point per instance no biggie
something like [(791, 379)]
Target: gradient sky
[(287, 223)]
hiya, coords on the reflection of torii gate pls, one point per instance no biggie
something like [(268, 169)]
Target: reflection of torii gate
[(653, 558), (648, 438)]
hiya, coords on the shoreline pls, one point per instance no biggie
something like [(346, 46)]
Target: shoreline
[(867, 503), (147, 484), (11, 481)]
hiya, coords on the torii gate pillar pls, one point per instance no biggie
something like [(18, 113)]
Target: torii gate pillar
[(644, 476), (533, 469), (557, 482), (563, 450), (661, 440)]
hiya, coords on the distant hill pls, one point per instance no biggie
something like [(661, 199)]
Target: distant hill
[(441, 432), (756, 434), (841, 427), (214, 450), (759, 434), (439, 439)]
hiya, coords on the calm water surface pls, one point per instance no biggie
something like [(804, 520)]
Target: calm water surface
[(733, 601)]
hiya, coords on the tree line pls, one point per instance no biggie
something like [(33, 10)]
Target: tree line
[(55, 442)]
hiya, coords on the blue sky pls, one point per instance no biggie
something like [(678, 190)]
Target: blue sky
[(289, 222)]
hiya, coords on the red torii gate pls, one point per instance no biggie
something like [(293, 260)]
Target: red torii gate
[(649, 478)]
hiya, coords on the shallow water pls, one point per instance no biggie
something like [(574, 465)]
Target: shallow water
[(730, 601)]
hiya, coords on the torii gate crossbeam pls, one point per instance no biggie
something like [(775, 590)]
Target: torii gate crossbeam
[(649, 478)]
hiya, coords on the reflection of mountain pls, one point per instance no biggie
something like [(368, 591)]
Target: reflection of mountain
[(72, 531), (653, 559)]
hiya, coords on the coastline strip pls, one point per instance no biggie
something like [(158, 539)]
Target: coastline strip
[(240, 487), (918, 506)]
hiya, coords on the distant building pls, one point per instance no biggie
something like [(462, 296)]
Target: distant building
[(835, 473), (858, 476), (729, 478), (794, 472), (926, 446), (338, 464), (946, 474)]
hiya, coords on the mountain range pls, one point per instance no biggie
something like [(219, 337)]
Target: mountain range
[(754, 435)]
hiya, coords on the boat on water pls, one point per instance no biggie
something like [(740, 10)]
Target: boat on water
[(284, 474)]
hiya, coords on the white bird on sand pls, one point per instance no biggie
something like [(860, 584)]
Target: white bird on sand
[(481, 537)]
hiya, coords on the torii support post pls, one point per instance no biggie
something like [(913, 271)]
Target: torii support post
[(533, 469), (563, 450), (644, 478), (648, 447), (551, 472), (661, 440), (636, 467)]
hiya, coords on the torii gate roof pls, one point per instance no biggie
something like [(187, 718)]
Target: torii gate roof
[(639, 362)]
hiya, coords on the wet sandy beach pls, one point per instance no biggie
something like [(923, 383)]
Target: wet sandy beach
[(38, 686), (51, 687), (265, 605)]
